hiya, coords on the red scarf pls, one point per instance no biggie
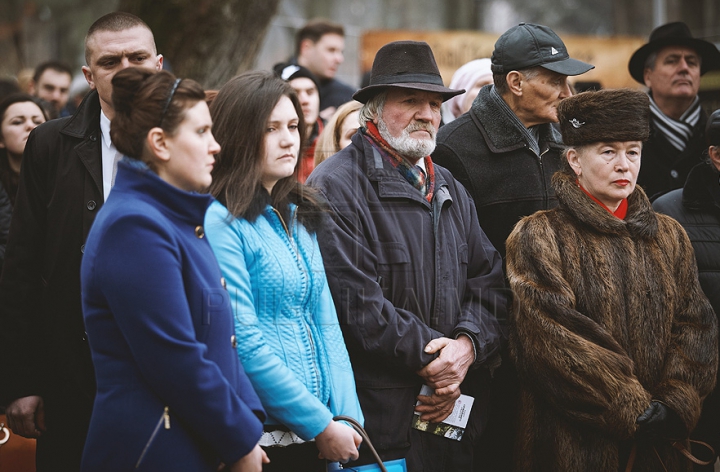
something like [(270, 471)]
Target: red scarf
[(621, 211)]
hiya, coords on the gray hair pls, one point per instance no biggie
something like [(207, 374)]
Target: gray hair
[(500, 80), (650, 60), (372, 108)]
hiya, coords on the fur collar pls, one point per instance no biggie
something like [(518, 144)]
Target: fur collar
[(502, 135), (641, 220)]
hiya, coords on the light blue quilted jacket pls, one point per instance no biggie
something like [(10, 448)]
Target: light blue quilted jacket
[(289, 340)]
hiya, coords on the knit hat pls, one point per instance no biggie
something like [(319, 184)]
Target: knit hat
[(527, 45), (289, 72), (405, 64), (605, 116), (673, 34), (465, 78)]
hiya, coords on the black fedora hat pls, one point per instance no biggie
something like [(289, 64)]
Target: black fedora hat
[(405, 64), (673, 34)]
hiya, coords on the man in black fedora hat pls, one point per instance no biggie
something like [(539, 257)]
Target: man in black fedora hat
[(670, 65), (416, 282), (505, 151)]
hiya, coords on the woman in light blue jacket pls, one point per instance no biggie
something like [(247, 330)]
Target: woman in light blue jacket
[(262, 230)]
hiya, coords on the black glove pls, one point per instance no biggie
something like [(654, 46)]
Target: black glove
[(659, 421)]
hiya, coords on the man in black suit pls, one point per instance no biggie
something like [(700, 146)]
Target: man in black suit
[(68, 168)]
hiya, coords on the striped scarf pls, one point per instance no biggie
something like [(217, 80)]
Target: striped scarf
[(423, 181), (677, 132)]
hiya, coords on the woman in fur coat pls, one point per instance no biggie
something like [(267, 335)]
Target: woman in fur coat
[(615, 343)]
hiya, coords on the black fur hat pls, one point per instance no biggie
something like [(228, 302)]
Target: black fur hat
[(605, 116)]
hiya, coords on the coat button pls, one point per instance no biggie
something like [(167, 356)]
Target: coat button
[(223, 282), (674, 174), (199, 232), (91, 205), (82, 249), (93, 138), (233, 341)]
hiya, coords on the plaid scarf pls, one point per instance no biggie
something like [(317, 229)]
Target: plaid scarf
[(423, 181)]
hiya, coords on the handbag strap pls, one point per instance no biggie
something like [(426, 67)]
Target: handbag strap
[(685, 452), (357, 427), (680, 447)]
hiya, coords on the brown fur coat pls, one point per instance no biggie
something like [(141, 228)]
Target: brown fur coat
[(608, 315)]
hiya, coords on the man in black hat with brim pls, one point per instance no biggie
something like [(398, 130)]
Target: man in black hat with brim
[(670, 65), (416, 282)]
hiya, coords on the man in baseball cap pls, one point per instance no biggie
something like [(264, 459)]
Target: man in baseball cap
[(670, 65), (416, 282), (505, 151)]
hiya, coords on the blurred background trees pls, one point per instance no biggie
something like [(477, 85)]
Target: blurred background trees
[(212, 40)]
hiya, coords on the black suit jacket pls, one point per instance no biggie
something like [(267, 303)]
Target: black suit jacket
[(45, 349)]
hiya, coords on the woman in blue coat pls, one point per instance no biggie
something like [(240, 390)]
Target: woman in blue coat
[(262, 230), (171, 394)]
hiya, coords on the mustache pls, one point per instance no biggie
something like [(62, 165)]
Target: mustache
[(420, 126)]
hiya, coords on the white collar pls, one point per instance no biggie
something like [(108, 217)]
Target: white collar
[(105, 129)]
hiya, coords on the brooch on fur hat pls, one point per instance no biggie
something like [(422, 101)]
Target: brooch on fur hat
[(617, 115)]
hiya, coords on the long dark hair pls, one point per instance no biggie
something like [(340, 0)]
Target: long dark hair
[(240, 113), (8, 177)]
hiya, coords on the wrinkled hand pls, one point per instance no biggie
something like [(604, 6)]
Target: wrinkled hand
[(26, 416), (448, 370), (338, 443), (660, 421), (436, 408), (251, 462)]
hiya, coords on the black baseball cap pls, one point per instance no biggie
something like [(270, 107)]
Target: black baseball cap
[(527, 45), (288, 72)]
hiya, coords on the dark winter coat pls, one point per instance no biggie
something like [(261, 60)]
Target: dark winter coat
[(45, 349), (334, 93), (609, 315), (697, 208), (5, 216), (488, 153), (663, 167), (403, 271)]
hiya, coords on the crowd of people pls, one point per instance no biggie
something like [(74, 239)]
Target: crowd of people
[(496, 275)]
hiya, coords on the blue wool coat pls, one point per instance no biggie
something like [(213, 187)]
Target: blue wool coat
[(171, 392), (289, 340)]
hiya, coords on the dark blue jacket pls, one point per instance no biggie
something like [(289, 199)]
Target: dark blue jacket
[(172, 394), (404, 271)]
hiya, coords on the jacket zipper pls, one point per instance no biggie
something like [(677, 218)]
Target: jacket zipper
[(542, 177), (164, 419), (294, 247)]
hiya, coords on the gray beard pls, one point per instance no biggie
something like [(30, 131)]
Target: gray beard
[(407, 146)]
